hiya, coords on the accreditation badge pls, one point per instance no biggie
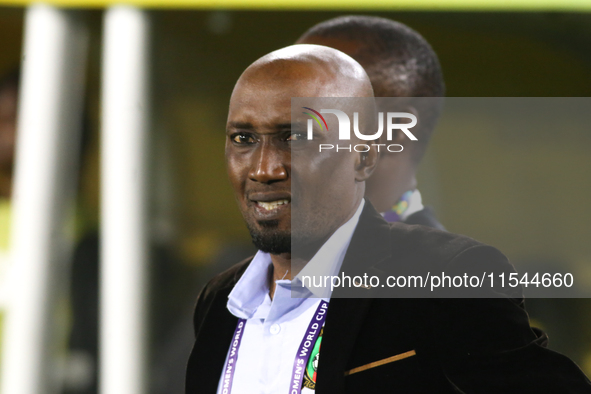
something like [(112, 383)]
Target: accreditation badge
[(309, 383)]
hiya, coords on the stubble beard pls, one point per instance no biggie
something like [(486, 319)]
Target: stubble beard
[(266, 237)]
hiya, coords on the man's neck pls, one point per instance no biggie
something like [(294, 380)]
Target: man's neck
[(287, 266), (384, 198)]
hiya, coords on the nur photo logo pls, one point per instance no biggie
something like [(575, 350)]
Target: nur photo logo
[(389, 118)]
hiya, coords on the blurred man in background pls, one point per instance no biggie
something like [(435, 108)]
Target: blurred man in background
[(399, 63)]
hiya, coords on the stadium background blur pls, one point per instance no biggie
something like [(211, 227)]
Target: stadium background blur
[(526, 194)]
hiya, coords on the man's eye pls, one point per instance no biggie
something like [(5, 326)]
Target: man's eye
[(295, 136), (243, 139)]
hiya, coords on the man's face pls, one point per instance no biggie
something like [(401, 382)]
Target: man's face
[(304, 202)]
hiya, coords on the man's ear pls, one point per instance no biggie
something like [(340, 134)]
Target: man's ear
[(366, 163)]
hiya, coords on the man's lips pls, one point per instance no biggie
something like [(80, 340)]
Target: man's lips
[(271, 205), (268, 203)]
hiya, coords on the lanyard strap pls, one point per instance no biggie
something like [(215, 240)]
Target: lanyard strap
[(301, 359), (303, 354), (233, 357)]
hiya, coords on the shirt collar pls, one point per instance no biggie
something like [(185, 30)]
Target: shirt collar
[(251, 289)]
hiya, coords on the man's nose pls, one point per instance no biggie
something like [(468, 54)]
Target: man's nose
[(269, 164)]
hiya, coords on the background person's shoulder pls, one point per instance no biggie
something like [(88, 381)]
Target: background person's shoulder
[(428, 243), (425, 251), (426, 248)]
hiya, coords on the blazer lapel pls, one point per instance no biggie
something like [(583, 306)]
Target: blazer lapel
[(345, 316), (343, 321), (369, 245)]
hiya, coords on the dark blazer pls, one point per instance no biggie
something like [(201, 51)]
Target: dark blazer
[(443, 345)]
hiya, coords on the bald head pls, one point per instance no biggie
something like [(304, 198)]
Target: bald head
[(307, 71)]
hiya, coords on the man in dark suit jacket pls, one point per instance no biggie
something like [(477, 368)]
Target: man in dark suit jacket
[(399, 63), (381, 345), (369, 344)]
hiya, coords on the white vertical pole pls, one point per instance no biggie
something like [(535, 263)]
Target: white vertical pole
[(124, 255), (50, 108)]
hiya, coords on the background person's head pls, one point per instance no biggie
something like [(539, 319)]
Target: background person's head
[(323, 190), (399, 63)]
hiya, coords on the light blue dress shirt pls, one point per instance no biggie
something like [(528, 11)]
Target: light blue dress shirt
[(275, 328)]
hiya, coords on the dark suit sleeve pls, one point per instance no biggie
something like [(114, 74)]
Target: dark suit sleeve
[(487, 345), (209, 300), (214, 326), (201, 306), (193, 381)]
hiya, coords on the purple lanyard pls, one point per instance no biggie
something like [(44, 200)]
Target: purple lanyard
[(232, 357), (302, 356)]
